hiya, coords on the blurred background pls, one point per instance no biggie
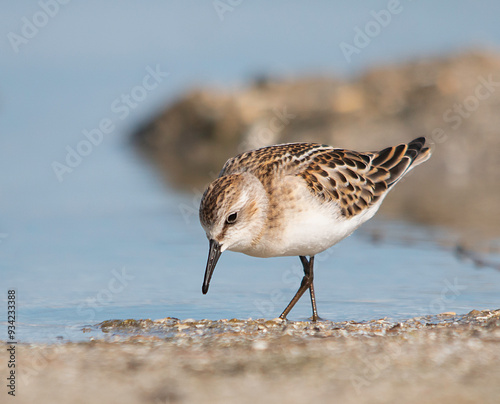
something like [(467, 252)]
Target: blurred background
[(115, 115)]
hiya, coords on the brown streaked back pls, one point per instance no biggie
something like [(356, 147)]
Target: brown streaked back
[(355, 180)]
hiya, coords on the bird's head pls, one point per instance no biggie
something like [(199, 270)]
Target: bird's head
[(233, 211)]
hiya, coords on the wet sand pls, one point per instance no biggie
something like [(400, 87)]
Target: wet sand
[(438, 359)]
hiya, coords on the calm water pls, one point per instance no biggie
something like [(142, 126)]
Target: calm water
[(111, 241), (126, 247)]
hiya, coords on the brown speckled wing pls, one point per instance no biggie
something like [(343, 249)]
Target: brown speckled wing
[(283, 159), (355, 180), (358, 180)]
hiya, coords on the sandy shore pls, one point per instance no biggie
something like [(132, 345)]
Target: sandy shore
[(441, 359)]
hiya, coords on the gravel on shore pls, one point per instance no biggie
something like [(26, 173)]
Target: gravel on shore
[(432, 359)]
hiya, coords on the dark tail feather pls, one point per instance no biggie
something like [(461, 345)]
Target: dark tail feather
[(423, 154), (398, 160)]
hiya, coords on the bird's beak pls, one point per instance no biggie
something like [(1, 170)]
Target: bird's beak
[(213, 256)]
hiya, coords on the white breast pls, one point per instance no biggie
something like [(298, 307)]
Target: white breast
[(310, 227)]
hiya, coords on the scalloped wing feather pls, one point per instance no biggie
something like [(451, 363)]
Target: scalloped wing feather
[(355, 180)]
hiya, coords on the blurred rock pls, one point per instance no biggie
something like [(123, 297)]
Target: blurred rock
[(454, 102)]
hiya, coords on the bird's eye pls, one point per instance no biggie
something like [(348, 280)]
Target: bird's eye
[(232, 218)]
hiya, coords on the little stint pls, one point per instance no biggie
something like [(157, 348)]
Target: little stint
[(298, 199)]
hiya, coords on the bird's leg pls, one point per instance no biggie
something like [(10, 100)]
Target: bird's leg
[(307, 283), (310, 265), (315, 316)]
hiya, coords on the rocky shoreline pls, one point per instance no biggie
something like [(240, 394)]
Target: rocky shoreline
[(431, 359), (453, 101)]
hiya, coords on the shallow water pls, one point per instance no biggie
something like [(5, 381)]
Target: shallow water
[(110, 241), (126, 247)]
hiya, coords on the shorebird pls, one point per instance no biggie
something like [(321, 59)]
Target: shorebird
[(298, 199)]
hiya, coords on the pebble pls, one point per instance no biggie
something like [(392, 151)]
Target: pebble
[(260, 345), (232, 331)]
